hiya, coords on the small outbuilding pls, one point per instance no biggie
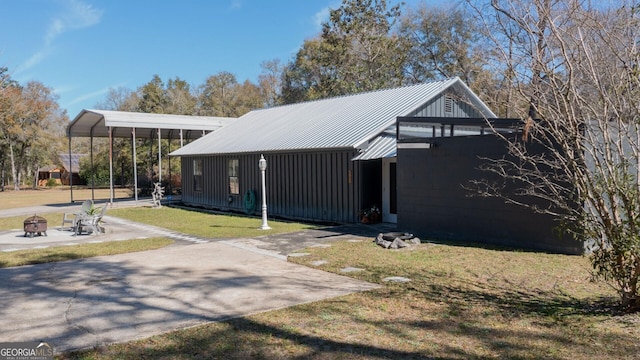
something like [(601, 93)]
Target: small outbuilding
[(70, 171)]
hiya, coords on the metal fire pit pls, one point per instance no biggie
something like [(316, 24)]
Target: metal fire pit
[(35, 225)]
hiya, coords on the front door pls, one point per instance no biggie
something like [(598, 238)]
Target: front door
[(389, 191)]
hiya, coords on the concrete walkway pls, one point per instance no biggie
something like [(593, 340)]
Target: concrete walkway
[(97, 301)]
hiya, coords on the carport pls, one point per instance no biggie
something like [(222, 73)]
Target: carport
[(111, 124)]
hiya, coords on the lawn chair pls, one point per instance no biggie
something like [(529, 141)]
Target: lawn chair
[(71, 218), (90, 222)]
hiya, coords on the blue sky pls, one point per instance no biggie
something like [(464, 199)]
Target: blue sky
[(81, 48)]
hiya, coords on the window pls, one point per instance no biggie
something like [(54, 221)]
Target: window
[(234, 186), (197, 174)]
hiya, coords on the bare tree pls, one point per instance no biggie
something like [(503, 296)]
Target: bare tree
[(270, 82), (120, 99), (575, 65)]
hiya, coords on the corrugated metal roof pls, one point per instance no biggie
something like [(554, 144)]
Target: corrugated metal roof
[(75, 161), (383, 146), (96, 122), (335, 123)]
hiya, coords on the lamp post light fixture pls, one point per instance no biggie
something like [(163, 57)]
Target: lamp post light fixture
[(262, 165)]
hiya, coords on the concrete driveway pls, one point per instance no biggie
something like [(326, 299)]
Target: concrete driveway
[(91, 302)]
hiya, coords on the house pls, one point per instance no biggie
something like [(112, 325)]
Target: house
[(71, 168), (45, 174), (411, 151), (327, 160)]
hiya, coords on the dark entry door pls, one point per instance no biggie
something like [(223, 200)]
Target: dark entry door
[(393, 189)]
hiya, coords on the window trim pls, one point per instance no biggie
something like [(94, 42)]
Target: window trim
[(197, 174), (233, 176)]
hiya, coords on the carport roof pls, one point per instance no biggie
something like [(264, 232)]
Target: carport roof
[(96, 123)]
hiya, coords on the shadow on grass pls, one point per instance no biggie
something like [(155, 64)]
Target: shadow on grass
[(516, 302), (247, 339), (54, 258), (232, 227), (244, 338)]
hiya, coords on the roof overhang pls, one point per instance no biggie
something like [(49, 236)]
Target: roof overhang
[(383, 146), (96, 123)]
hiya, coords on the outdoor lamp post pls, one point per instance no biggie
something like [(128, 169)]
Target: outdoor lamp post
[(262, 164)]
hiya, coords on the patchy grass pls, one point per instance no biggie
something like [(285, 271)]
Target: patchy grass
[(10, 199), (63, 253), (461, 303), (17, 222), (206, 224)]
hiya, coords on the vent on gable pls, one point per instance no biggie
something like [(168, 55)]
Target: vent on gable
[(448, 104)]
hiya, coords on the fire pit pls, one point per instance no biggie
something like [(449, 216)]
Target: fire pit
[(35, 225), (396, 240)]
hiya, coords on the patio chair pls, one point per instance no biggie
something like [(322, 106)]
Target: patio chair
[(90, 222), (71, 218)]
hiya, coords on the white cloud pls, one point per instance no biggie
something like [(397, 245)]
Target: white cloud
[(90, 95), (56, 28), (63, 89), (236, 4), (320, 17), (75, 15), (33, 60)]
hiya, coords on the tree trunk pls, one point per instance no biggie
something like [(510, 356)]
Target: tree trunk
[(14, 172), (2, 176), (35, 176)]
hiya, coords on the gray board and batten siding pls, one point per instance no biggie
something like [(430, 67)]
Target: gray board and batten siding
[(317, 186), (435, 196)]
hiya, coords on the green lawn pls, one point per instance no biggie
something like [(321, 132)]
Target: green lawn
[(10, 199), (63, 253), (461, 303), (206, 224)]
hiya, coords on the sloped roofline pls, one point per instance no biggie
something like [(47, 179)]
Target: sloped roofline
[(91, 122), (456, 82), (343, 122)]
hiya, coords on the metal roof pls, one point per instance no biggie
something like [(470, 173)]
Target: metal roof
[(75, 161), (345, 122), (96, 123), (381, 147)]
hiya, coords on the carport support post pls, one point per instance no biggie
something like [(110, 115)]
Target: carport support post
[(159, 156), (93, 174), (169, 161), (135, 163), (70, 177), (110, 167)]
